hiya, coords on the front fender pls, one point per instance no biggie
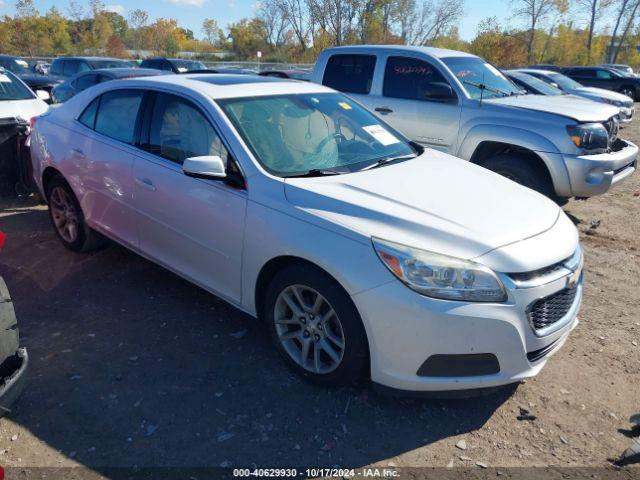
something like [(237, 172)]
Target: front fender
[(521, 138)]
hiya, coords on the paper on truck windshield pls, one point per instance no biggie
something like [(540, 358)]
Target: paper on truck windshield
[(381, 134), (4, 78)]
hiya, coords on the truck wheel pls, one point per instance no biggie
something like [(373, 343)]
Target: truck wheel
[(521, 171), (315, 326), (68, 220)]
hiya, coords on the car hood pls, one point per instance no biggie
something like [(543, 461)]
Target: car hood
[(435, 202), (24, 109), (567, 107), (598, 93)]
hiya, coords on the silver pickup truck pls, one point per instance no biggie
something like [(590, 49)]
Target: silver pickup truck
[(460, 104)]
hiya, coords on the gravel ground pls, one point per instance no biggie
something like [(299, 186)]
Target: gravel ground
[(132, 366)]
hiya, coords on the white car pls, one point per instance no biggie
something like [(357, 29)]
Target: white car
[(600, 95), (17, 100), (366, 255)]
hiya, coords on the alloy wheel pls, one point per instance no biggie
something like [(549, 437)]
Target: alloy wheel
[(65, 215), (309, 329)]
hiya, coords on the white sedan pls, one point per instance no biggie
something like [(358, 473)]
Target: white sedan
[(365, 254), (17, 100)]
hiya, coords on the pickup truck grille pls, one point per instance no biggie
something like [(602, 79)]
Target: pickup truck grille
[(549, 310)]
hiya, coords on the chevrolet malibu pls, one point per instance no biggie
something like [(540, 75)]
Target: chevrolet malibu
[(365, 254)]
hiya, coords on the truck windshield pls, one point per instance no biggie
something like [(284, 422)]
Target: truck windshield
[(12, 89), (480, 78), (17, 66), (314, 134)]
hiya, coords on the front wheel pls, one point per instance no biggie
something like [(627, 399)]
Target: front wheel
[(315, 326), (522, 171)]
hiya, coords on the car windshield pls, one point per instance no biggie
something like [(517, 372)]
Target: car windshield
[(299, 75), (12, 89), (111, 64), (537, 84), (564, 82), (480, 78), (188, 65), (17, 66), (307, 134)]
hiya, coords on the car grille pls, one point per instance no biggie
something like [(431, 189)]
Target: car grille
[(549, 310)]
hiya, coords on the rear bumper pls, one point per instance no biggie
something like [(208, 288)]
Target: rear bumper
[(13, 381), (595, 174)]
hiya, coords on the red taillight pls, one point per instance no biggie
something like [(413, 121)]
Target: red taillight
[(32, 122), (2, 237)]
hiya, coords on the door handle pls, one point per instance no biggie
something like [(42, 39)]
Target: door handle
[(146, 184), (383, 110), (78, 152)]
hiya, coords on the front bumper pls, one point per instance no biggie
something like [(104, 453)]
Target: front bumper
[(13, 380), (595, 174), (626, 114), (405, 329)]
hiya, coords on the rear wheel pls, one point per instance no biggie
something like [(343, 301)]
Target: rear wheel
[(628, 91), (67, 218), (315, 326)]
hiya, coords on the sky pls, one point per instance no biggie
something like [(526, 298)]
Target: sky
[(190, 13)]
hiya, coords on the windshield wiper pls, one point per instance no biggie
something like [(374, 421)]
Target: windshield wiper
[(388, 160), (317, 172), (482, 86)]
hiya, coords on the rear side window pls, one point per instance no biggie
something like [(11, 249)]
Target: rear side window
[(409, 78), (350, 73), (603, 74), (179, 131), (116, 117), (86, 81), (88, 117)]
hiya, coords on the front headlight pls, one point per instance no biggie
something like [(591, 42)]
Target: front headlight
[(617, 103), (590, 136), (440, 276)]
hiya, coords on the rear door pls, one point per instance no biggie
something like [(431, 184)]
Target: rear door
[(105, 162), (193, 226), (404, 103), (352, 74)]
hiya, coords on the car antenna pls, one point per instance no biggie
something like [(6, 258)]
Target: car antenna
[(482, 87)]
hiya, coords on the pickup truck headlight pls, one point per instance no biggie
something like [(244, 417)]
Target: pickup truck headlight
[(440, 276), (589, 136)]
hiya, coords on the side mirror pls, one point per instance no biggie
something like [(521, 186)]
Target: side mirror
[(439, 91), (554, 84), (43, 95), (209, 167)]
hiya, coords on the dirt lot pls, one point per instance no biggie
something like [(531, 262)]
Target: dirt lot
[(132, 366)]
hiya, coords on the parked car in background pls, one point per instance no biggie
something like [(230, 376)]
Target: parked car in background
[(297, 205), (35, 81), (41, 67), (531, 84), (66, 67), (546, 66), (304, 75), (620, 66), (17, 100), (175, 65), (81, 81), (606, 78), (567, 85), (458, 103)]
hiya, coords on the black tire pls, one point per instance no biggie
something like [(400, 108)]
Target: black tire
[(628, 91), (522, 171), (355, 355), (85, 239)]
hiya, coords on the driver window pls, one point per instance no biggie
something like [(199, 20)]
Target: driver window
[(179, 131), (603, 74), (409, 78)]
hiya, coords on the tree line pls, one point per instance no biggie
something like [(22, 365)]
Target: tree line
[(547, 31)]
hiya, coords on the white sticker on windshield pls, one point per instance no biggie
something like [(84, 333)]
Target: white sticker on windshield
[(4, 78), (21, 63), (381, 134)]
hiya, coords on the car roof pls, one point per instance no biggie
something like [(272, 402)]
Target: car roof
[(6, 55), (93, 59), (536, 70), (127, 72), (219, 86), (432, 51)]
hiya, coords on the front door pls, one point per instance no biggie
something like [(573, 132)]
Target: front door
[(193, 226)]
